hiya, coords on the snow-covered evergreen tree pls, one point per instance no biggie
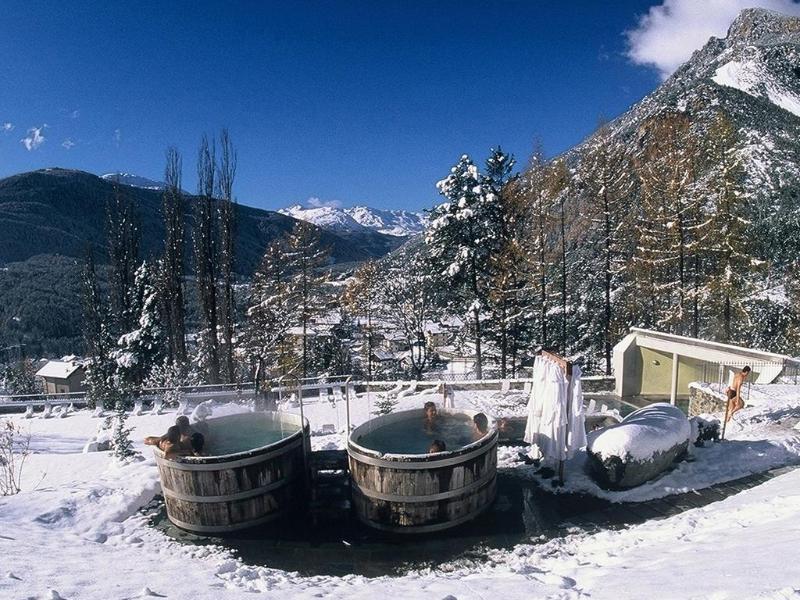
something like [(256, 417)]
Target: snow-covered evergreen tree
[(144, 346), (362, 297), (306, 261), (605, 177), (461, 236), (123, 240), (532, 190), (731, 267), (270, 312), (20, 378), (100, 384), (121, 444), (410, 304), (669, 244)]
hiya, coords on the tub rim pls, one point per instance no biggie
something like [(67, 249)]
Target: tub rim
[(413, 461), (235, 459)]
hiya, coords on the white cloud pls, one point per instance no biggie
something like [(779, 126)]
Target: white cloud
[(117, 136), (7, 127), (68, 143), (667, 35), (34, 139), (314, 202), (75, 114)]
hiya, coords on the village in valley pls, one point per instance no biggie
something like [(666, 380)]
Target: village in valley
[(567, 369)]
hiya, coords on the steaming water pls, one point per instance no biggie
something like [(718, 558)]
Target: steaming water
[(240, 433), (412, 436)]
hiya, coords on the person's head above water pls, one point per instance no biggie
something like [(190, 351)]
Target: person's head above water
[(173, 434), (437, 446), (198, 442), (182, 423), (430, 410), (481, 422)]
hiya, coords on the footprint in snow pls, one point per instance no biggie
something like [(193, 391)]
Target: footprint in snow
[(10, 575), (557, 580), (150, 593), (54, 595)]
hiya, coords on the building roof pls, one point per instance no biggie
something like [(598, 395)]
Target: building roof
[(59, 369)]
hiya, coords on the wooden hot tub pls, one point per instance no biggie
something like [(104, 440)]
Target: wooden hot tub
[(219, 494), (419, 493)]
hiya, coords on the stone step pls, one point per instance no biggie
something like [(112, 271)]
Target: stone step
[(329, 509)]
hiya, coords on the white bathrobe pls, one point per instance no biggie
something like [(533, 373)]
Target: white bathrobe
[(555, 427)]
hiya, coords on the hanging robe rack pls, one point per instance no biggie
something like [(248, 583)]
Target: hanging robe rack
[(566, 366)]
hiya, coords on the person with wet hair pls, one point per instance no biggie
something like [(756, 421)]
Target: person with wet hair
[(170, 443), (431, 415), (198, 442), (437, 446), (182, 423), (480, 425)]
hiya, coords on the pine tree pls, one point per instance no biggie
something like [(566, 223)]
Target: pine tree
[(409, 305), (227, 308), (173, 264), (558, 189), (306, 259), (505, 282), (605, 177), (20, 378), (531, 189), (461, 237), (270, 311), (729, 283), (333, 353), (143, 346), (100, 384), (204, 263), (121, 444), (123, 235), (362, 297), (666, 169)]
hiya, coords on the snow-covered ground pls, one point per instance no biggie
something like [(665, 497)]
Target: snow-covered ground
[(76, 531)]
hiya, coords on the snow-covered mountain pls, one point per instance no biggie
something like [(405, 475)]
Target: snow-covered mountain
[(398, 223), (134, 180)]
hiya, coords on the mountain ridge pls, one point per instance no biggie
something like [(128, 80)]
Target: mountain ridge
[(398, 223), (62, 211)]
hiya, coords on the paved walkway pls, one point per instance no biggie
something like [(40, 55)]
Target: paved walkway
[(524, 511)]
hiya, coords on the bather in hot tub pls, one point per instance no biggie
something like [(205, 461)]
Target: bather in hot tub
[(397, 486), (255, 473)]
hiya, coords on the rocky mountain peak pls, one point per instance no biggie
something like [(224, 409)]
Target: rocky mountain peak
[(759, 26)]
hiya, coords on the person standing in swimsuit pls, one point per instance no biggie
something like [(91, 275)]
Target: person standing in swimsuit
[(734, 392)]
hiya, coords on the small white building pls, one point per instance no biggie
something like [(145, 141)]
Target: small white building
[(62, 376), (661, 365)]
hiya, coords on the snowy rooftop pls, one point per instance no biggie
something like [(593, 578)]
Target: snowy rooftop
[(59, 369)]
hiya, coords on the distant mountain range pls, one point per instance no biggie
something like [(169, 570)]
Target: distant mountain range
[(49, 218), (398, 223), (60, 211), (134, 180)]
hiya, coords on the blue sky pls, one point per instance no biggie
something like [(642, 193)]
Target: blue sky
[(367, 102)]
